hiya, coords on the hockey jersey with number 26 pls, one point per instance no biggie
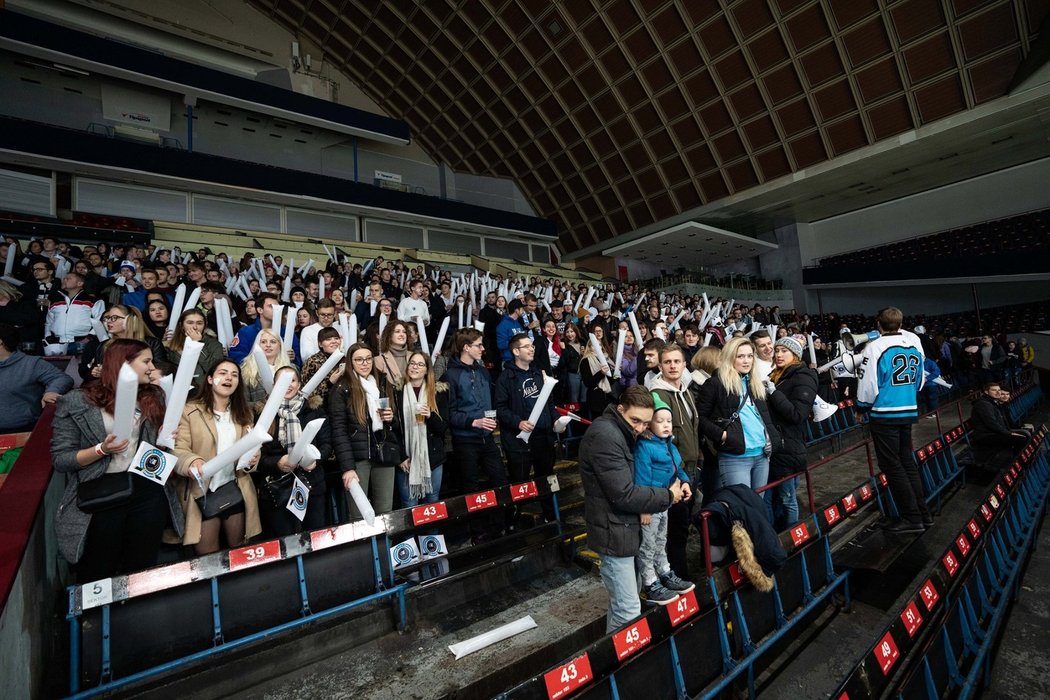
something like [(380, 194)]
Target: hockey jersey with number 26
[(889, 376)]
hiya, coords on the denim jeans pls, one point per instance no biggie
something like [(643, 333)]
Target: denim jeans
[(401, 478), (621, 581), (651, 561), (748, 471), (575, 393), (782, 502)]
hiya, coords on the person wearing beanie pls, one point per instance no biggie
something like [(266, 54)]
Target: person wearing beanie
[(657, 463), (791, 389)]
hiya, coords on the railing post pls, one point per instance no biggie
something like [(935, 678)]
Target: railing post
[(706, 533), (809, 492)]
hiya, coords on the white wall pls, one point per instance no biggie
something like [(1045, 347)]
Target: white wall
[(997, 195), (638, 270)]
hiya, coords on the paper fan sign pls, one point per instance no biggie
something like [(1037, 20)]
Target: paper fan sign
[(299, 499)]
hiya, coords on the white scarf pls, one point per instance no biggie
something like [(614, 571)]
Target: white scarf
[(419, 483), (372, 400), (596, 369)]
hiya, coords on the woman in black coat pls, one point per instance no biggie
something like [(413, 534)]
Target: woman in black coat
[(359, 425), (791, 387), (275, 475)]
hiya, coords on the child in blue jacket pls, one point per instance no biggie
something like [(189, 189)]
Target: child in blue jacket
[(657, 463)]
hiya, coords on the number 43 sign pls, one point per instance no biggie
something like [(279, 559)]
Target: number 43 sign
[(566, 678)]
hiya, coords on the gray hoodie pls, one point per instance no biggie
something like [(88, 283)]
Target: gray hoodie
[(25, 380)]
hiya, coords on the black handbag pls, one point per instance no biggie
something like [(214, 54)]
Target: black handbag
[(386, 450), (214, 503), (105, 492), (279, 488)]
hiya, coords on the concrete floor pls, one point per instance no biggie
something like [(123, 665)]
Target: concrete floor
[(570, 605), (1022, 662)]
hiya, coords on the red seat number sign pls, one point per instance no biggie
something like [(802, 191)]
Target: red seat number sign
[(568, 677), (911, 618), (849, 503), (683, 608), (951, 564), (865, 492), (964, 544), (428, 513), (480, 501), (735, 575), (519, 492), (975, 531), (629, 640), (887, 653), (929, 595), (831, 514), (986, 512), (799, 534), (254, 555)]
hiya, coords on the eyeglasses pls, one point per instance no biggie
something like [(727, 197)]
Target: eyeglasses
[(108, 319), (478, 344), (39, 269), (418, 365), (362, 360), (321, 315)]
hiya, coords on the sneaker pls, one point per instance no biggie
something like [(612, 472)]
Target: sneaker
[(927, 521), (905, 527), (672, 582), (656, 594)]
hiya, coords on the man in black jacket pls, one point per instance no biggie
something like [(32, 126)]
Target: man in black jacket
[(612, 501), (517, 390), (991, 428)]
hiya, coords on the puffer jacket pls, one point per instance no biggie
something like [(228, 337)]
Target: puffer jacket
[(470, 395), (352, 441), (612, 501), (683, 413), (791, 405), (716, 406)]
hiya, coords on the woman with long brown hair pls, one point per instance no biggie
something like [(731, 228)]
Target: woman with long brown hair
[(362, 421), (393, 353), (124, 533), (217, 417), (191, 327)]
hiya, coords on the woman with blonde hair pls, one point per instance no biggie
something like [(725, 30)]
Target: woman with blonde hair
[(735, 418), (120, 321), (423, 407), (277, 358)]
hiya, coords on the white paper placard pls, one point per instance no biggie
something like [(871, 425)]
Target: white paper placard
[(152, 463)]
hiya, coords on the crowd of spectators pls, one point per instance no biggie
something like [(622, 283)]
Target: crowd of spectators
[(436, 392)]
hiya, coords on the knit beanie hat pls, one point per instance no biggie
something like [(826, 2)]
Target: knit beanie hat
[(659, 404), (791, 344)]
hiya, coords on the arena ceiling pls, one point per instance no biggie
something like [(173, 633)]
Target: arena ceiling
[(614, 116)]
